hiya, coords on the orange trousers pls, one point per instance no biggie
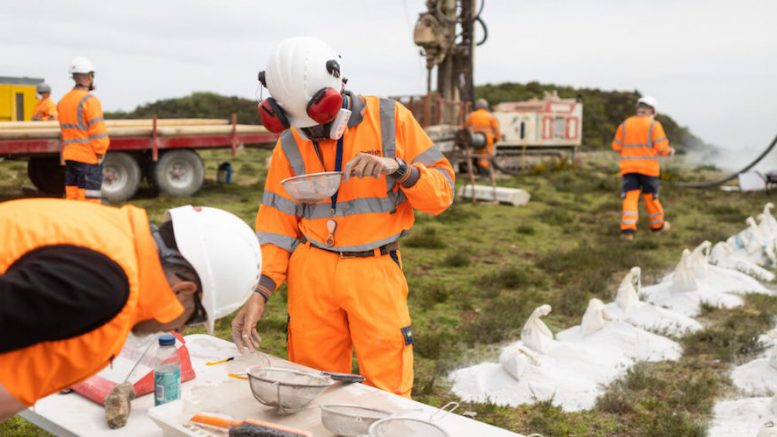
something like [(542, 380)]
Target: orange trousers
[(635, 184), (339, 304)]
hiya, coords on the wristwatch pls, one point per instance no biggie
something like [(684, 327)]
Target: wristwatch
[(402, 172)]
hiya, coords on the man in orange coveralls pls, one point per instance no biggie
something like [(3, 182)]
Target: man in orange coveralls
[(640, 140), (340, 257), (480, 120)]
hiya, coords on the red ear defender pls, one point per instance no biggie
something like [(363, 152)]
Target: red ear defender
[(272, 116), (325, 105)]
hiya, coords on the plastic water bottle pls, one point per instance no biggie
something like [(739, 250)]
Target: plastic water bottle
[(167, 372)]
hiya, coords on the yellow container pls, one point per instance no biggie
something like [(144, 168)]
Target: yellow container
[(17, 98)]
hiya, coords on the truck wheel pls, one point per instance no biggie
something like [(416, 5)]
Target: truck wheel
[(178, 173), (121, 176), (46, 174)]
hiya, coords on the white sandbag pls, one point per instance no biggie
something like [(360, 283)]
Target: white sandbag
[(535, 333), (723, 255), (689, 303), (653, 318), (769, 218), (594, 317), (628, 291), (516, 359), (700, 259), (684, 279), (754, 240), (773, 405), (769, 429)]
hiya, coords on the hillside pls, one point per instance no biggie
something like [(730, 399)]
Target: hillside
[(602, 110), (196, 105)]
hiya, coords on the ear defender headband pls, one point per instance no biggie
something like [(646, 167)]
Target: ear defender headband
[(323, 108)]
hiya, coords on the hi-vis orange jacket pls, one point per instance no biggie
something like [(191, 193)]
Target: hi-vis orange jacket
[(45, 110), (483, 121), (123, 235), (640, 140), (84, 135), (370, 212)]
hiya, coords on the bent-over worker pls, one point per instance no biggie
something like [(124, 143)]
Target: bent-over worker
[(640, 140), (45, 109), (71, 289), (480, 120), (340, 257), (84, 136)]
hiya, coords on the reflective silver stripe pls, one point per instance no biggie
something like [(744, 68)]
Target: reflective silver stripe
[(358, 248), (636, 146), (447, 176), (623, 130), (429, 157), (291, 150), (655, 214), (657, 221), (81, 123), (639, 158), (282, 204), (659, 140), (362, 205), (650, 134), (76, 140), (630, 213), (388, 136), (282, 241), (69, 126), (95, 120), (388, 127), (98, 136), (618, 142), (628, 222), (93, 194)]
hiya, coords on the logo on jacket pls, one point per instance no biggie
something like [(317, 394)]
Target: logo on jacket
[(371, 152)]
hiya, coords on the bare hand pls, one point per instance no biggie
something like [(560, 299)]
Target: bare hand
[(100, 159), (365, 165), (671, 151), (244, 332)]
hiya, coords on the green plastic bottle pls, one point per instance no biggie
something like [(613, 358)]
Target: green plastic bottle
[(167, 371)]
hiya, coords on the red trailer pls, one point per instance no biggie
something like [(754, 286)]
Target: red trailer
[(164, 151)]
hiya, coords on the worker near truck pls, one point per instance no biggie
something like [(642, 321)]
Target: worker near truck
[(84, 136), (480, 120), (639, 141), (341, 257), (45, 109), (71, 289)]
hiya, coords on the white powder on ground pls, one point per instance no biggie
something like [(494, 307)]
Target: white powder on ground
[(654, 318), (742, 417), (756, 378), (573, 371), (688, 303)]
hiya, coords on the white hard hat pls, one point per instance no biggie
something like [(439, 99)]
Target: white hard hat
[(648, 101), (296, 72), (224, 252), (81, 64)]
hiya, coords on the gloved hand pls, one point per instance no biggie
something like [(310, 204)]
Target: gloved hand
[(244, 332), (366, 165)]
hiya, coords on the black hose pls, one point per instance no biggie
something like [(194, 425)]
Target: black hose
[(732, 176), (480, 10), (485, 32)]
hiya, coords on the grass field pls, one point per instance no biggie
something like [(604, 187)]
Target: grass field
[(477, 271)]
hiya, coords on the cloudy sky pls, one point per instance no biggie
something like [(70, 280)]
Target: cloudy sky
[(711, 64)]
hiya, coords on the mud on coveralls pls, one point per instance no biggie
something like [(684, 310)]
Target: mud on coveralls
[(45, 110), (352, 293), (84, 142), (72, 289), (483, 121), (640, 140)]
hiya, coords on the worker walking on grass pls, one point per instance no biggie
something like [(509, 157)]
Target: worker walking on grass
[(480, 120), (72, 289), (640, 140), (84, 137), (340, 257), (45, 109)]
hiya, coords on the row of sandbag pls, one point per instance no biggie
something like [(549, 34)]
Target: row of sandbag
[(572, 367), (756, 413)]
